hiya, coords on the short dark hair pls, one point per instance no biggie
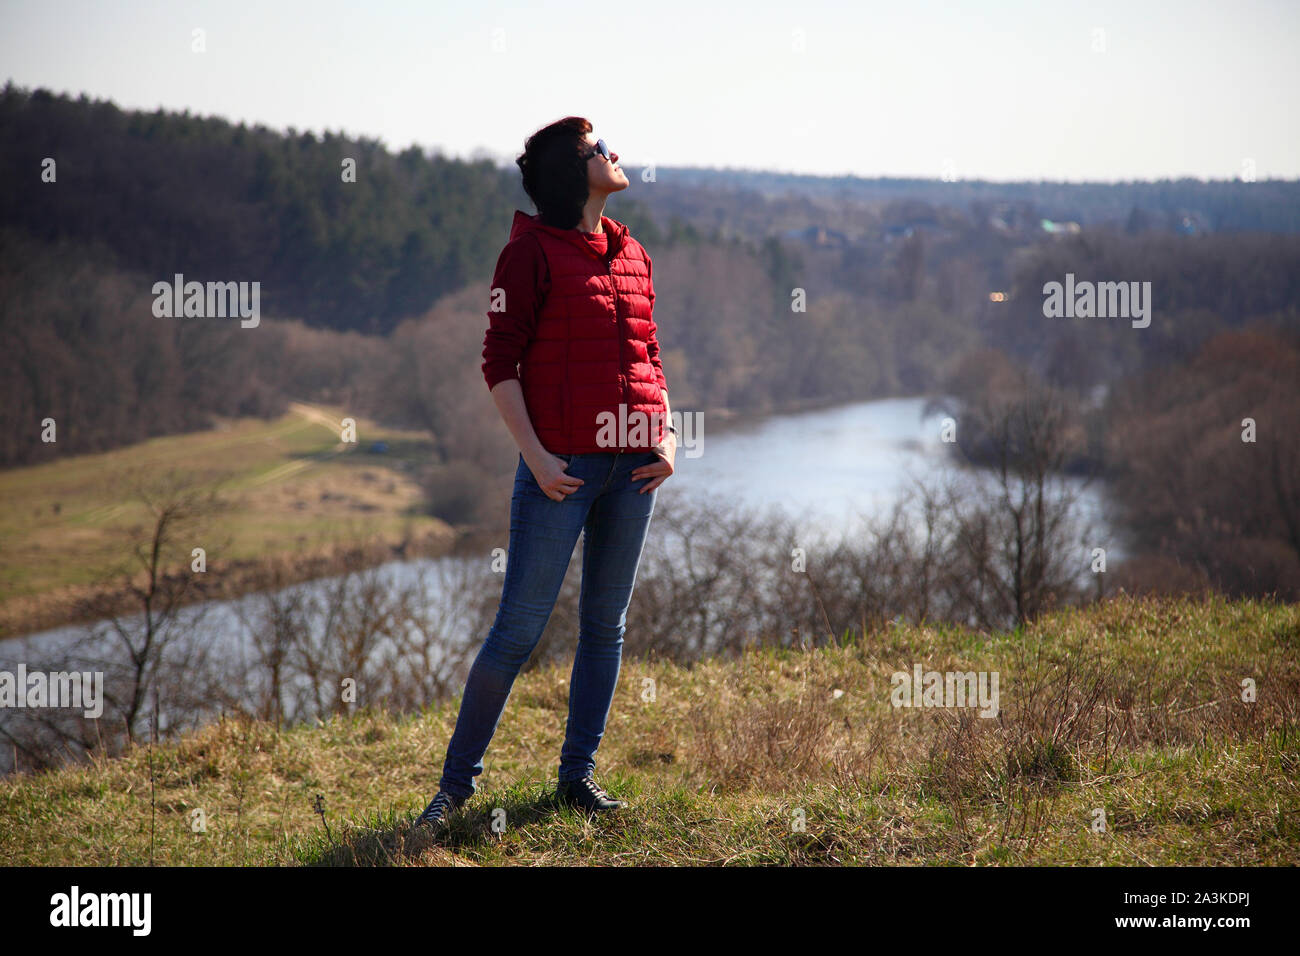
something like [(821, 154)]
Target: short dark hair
[(555, 174)]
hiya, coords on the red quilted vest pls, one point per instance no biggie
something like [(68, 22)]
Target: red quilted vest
[(589, 347)]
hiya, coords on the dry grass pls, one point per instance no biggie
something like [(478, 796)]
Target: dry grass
[(1131, 706)]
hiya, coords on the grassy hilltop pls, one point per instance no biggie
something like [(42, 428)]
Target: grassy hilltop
[(1132, 706)]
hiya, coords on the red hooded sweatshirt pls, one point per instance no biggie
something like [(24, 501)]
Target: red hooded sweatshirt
[(572, 319)]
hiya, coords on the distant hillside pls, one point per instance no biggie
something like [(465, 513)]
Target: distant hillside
[(1215, 206), (160, 193), (164, 192)]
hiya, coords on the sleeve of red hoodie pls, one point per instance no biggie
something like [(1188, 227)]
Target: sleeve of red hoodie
[(521, 273), (652, 342)]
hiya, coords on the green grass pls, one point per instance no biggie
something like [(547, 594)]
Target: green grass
[(284, 487), (729, 754)]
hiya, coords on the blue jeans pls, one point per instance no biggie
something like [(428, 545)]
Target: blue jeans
[(614, 517)]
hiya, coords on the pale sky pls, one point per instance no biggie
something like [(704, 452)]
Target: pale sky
[(1003, 90)]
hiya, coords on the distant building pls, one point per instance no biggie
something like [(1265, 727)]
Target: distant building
[(1061, 228), (818, 236), (1190, 224)]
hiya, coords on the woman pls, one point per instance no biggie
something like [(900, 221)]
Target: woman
[(572, 302)]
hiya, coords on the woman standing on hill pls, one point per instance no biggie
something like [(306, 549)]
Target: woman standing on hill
[(572, 302)]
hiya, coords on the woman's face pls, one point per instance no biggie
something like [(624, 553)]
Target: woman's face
[(603, 175)]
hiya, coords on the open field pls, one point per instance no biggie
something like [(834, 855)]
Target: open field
[(287, 486)]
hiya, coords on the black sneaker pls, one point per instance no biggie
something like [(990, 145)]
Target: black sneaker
[(439, 809), (588, 794)]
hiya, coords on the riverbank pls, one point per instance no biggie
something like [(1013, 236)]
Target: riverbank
[(84, 604)]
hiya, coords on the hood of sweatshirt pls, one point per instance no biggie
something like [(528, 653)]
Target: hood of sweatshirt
[(615, 232)]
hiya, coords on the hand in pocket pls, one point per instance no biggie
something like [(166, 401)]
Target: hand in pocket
[(551, 476), (658, 468)]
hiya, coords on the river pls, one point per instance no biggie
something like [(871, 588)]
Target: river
[(837, 467)]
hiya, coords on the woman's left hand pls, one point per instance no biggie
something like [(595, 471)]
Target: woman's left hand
[(658, 471)]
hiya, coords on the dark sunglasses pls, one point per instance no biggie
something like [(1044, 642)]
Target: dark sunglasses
[(600, 147)]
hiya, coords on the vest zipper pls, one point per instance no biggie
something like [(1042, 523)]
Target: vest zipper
[(618, 323)]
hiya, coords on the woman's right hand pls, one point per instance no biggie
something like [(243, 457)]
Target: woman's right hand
[(549, 473)]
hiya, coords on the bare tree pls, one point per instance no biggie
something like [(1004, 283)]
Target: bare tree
[(1011, 557), (159, 578)]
